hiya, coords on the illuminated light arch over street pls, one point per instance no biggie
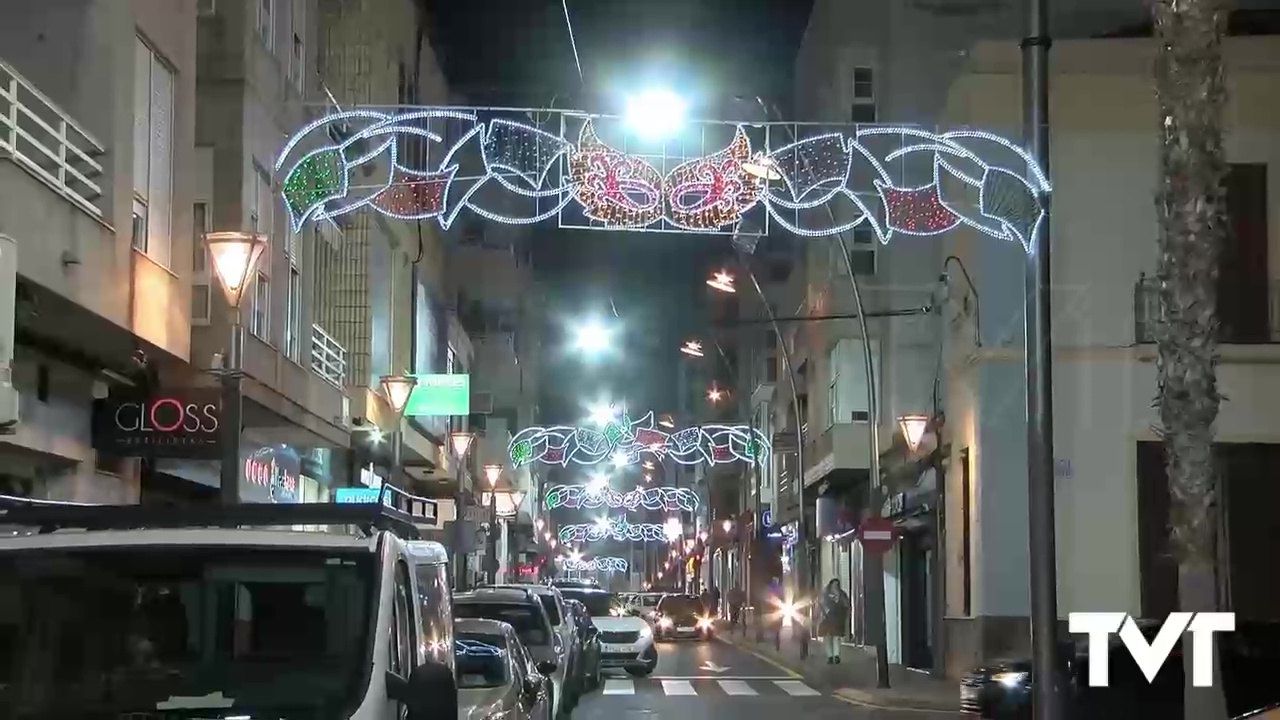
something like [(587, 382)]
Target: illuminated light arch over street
[(582, 497), (498, 165), (626, 441)]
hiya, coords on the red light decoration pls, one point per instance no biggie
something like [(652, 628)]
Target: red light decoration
[(916, 211), (713, 191), (413, 195)]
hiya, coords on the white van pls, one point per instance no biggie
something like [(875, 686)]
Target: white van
[(229, 611)]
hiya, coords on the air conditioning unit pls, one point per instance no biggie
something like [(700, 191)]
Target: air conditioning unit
[(481, 403)]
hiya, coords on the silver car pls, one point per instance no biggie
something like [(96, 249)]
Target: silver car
[(565, 629), (497, 676), (524, 612)]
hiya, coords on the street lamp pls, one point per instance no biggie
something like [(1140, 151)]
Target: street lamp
[(492, 473), (655, 114), (603, 414), (715, 394), (234, 257), (592, 338), (692, 348), (913, 428), (722, 281), (397, 389), (461, 441), (727, 525)]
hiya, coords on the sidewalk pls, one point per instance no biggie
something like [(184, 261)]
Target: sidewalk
[(854, 679)]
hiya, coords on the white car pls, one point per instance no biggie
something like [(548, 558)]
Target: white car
[(626, 641)]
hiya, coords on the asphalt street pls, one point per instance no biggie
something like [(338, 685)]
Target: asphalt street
[(703, 680)]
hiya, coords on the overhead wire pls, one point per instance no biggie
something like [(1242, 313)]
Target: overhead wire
[(572, 42)]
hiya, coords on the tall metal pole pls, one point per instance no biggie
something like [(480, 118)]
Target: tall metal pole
[(1046, 693), (872, 563), (491, 547), (802, 559), (232, 414)]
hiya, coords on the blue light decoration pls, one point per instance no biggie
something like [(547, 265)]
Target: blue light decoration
[(434, 163), (613, 529), (645, 498), (598, 564), (629, 440)]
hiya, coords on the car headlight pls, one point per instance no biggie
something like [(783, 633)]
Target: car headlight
[(1011, 679), (664, 621), (704, 623)]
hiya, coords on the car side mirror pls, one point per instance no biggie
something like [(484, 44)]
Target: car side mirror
[(546, 667), (429, 692)]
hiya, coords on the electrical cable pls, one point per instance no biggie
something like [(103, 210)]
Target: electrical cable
[(572, 43)]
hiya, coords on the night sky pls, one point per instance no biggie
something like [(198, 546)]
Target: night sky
[(517, 53)]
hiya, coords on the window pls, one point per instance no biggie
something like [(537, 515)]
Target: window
[(152, 154), (260, 219), (266, 23), (864, 84), (863, 109), (298, 54), (201, 299), (259, 319), (293, 310), (435, 605), (403, 638), (833, 394)]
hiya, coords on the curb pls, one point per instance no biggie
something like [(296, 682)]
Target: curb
[(869, 700)]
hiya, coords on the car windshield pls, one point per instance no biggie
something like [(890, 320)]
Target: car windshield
[(112, 631), (481, 660), (682, 605), (649, 600), (599, 604), (524, 619)]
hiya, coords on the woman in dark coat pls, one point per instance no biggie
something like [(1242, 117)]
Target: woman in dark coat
[(835, 615)]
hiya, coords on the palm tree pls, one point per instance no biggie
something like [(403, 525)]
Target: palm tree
[(1191, 206)]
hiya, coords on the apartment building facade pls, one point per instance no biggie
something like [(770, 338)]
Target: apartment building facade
[(89, 139), (956, 584)]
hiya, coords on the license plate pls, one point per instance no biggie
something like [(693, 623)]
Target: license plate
[(685, 629), (968, 693), (617, 648)]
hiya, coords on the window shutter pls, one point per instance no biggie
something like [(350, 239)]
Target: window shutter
[(141, 116), (159, 186)]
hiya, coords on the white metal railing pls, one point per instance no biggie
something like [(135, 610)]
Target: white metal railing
[(328, 357), (42, 139)]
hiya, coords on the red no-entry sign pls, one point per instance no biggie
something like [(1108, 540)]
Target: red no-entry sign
[(877, 535)]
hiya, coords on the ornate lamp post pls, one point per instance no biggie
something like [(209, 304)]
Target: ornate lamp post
[(234, 257), (492, 473), (397, 389)]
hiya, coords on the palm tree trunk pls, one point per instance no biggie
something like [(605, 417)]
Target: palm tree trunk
[(1191, 207)]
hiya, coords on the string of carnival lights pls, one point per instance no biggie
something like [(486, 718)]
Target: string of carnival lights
[(599, 564), (974, 178), (613, 529), (625, 442), (648, 498)]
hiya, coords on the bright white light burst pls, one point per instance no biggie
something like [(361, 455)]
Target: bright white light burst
[(656, 114)]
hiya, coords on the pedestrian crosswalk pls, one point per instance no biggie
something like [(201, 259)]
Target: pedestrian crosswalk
[(702, 687)]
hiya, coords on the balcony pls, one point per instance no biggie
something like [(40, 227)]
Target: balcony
[(1249, 314), (40, 138), (328, 357)]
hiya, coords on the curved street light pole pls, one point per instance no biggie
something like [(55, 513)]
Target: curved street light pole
[(802, 561), (873, 565)]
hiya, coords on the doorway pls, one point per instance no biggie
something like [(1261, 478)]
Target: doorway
[(916, 551)]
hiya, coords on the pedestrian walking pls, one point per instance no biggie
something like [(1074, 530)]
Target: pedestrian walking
[(835, 614)]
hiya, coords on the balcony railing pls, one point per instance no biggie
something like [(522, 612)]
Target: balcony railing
[(1250, 314), (44, 140), (328, 357)]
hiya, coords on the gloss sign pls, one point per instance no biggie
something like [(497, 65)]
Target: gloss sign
[(170, 424)]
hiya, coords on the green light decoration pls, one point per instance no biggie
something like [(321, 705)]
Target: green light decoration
[(317, 179), (613, 433), (522, 452)]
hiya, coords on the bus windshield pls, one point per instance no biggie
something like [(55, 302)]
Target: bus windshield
[(99, 630)]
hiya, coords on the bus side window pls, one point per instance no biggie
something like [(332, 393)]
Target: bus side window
[(436, 606), (403, 632)]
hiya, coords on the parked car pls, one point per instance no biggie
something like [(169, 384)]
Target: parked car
[(525, 613), (646, 607), (626, 641), (497, 676), (588, 677), (566, 633), (1249, 659), (682, 616)]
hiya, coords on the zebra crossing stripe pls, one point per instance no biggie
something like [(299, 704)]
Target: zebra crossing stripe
[(621, 686), (678, 687), (796, 688), (736, 687)]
